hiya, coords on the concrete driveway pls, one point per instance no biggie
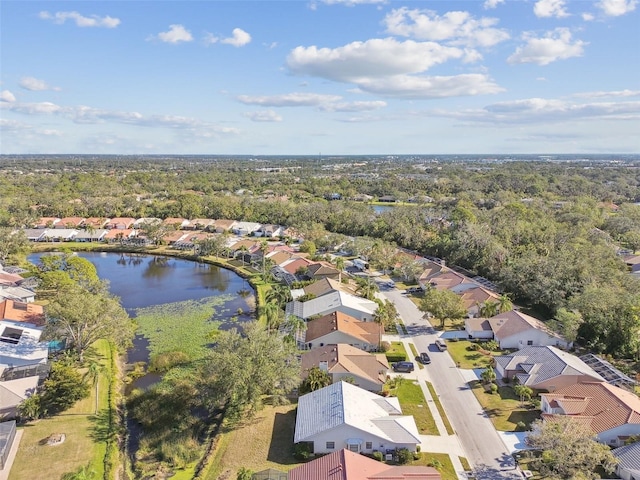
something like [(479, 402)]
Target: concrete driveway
[(483, 446)]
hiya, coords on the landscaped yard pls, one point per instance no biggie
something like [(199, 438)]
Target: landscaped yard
[(462, 353), (79, 424), (395, 353), (441, 461), (265, 441), (412, 402), (504, 408)]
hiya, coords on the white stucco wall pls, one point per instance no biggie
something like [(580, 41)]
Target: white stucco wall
[(537, 337), (610, 437), (339, 436)]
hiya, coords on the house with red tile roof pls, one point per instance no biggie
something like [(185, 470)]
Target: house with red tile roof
[(319, 270), (176, 223), (120, 223), (116, 235), (612, 413), (21, 312), (70, 222), (96, 222), (347, 465), (46, 222), (337, 327), (222, 225), (342, 362)]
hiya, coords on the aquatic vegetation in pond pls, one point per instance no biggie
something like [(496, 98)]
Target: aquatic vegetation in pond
[(181, 326)]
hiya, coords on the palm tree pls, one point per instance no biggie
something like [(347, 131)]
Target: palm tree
[(523, 392), (366, 288), (243, 249), (296, 325), (488, 309), (273, 315), (504, 303), (279, 294)]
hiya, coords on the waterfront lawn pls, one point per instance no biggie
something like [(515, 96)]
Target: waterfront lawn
[(504, 408), (412, 402), (462, 353), (266, 441), (79, 424)]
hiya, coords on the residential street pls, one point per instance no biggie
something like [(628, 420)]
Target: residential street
[(482, 445)]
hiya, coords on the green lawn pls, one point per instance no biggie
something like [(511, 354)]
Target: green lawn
[(80, 426), (441, 461), (443, 415), (397, 350), (504, 408), (414, 352), (461, 352), (412, 402)]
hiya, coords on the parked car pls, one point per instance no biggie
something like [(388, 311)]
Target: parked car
[(424, 358), (414, 290), (403, 367), (441, 344)]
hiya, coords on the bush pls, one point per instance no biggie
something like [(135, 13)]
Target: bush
[(521, 426), (494, 388), (163, 362), (404, 456), (301, 451), (396, 357), (378, 456), (385, 346), (492, 346)]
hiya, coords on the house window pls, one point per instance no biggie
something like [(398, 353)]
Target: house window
[(330, 445), (368, 445), (354, 448), (529, 342)]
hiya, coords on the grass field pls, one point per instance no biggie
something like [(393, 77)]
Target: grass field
[(81, 427), (441, 461), (443, 415), (504, 408), (413, 403), (460, 352), (266, 441), (397, 350)]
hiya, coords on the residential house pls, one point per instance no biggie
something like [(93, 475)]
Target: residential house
[(340, 328), (342, 415), (295, 265), (628, 467), (545, 368), (96, 222), (46, 222), (34, 234), (612, 413), (324, 286), (174, 236), (448, 279), (176, 223), (140, 223), (514, 329), (13, 392), (319, 270), (70, 222), (120, 223), (269, 231), (474, 297), (221, 226), (91, 235), (344, 362), (28, 313), (59, 234), (388, 199), (20, 344), (202, 224), (18, 294), (115, 235), (478, 328), (347, 465), (357, 307), (245, 228)]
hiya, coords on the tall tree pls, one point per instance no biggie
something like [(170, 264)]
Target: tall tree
[(81, 318), (568, 448), (12, 242), (386, 314), (443, 305), (241, 369), (316, 379)]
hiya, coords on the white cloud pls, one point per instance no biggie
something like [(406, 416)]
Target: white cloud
[(7, 96), (490, 4), (176, 34), (289, 100), (555, 45), (210, 39), (588, 17), (543, 111), (425, 87), (263, 116), (33, 84), (13, 125), (362, 106), (239, 39), (359, 61), (458, 28), (616, 8), (614, 93), (81, 20), (550, 8)]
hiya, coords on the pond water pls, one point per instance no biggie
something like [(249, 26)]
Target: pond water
[(382, 208), (146, 280)]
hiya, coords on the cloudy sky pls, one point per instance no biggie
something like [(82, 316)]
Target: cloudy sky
[(320, 76)]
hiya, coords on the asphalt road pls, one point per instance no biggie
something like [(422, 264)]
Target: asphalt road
[(483, 446)]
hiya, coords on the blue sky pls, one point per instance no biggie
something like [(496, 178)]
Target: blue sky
[(321, 76)]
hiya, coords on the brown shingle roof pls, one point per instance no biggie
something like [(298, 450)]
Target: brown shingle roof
[(367, 332), (477, 295), (22, 312), (513, 322), (607, 406), (327, 285)]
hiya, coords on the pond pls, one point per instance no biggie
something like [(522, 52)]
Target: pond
[(143, 281)]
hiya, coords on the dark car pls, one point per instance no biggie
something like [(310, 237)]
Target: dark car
[(414, 290), (424, 358), (403, 367)]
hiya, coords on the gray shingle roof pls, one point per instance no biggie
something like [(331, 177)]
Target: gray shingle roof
[(629, 456)]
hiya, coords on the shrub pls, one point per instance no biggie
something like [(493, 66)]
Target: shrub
[(163, 362), (396, 357), (301, 451), (492, 346), (378, 456), (385, 346), (404, 456), (494, 388), (418, 448), (521, 426)]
